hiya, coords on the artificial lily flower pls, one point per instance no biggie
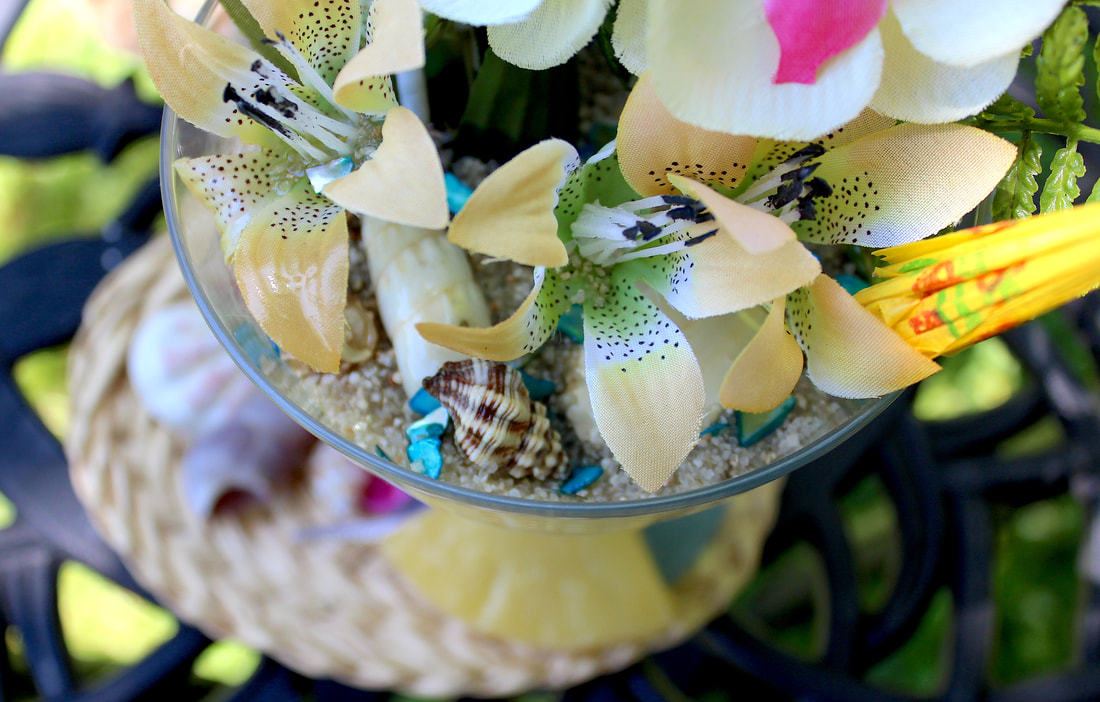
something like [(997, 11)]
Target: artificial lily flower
[(621, 256), (946, 293), (327, 138), (870, 183), (538, 34), (796, 69)]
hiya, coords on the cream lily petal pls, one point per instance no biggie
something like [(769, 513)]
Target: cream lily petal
[(511, 213), (916, 88), (643, 381), (402, 182), (766, 371), (480, 13), (550, 35), (849, 351), (718, 276), (233, 187), (651, 143), (291, 265), (732, 90), (524, 332), (973, 32), (905, 183), (191, 66), (326, 34), (628, 35), (755, 231), (396, 45)]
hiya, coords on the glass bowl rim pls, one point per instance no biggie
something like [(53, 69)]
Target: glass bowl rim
[(394, 473)]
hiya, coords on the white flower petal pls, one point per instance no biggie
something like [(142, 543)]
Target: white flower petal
[(971, 32), (551, 35), (481, 13), (731, 89), (628, 35)]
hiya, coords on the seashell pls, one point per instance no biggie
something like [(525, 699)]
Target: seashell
[(360, 331), (251, 453), (181, 374), (345, 489), (497, 424)]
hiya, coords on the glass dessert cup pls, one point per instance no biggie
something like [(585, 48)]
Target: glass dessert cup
[(214, 288), (213, 285)]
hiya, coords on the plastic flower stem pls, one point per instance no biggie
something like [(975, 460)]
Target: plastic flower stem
[(412, 91), (1080, 132)]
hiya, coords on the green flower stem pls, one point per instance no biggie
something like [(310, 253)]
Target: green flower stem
[(1079, 132)]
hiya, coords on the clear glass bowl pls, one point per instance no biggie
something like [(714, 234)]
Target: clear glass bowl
[(212, 283)]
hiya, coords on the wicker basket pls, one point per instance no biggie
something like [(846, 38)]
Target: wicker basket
[(328, 609)]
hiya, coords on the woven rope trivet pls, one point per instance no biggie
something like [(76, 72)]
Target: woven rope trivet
[(328, 609)]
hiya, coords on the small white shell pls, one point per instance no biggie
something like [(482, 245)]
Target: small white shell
[(253, 452), (335, 482), (181, 374)]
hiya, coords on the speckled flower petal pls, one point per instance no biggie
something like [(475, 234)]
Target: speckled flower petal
[(718, 276), (916, 88), (643, 381), (481, 13), (756, 232), (396, 45), (403, 180), (511, 213), (325, 33), (732, 90), (628, 35), (849, 351), (524, 332), (904, 183), (972, 32), (550, 35), (652, 143), (234, 187), (191, 66), (600, 179), (291, 264), (766, 371)]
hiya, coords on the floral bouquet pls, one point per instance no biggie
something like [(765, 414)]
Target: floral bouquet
[(548, 249)]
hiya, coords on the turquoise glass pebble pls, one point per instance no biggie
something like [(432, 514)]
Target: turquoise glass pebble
[(457, 192), (426, 454), (431, 426), (752, 427), (572, 324), (580, 478), (538, 388), (715, 428), (851, 283), (422, 403)]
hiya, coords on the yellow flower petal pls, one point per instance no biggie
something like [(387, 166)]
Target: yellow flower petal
[(766, 371), (511, 213), (326, 34), (191, 65), (403, 180), (905, 183), (651, 143), (972, 32), (480, 13), (756, 234), (628, 35), (645, 385), (916, 88), (524, 332), (732, 90), (396, 45), (550, 35), (849, 351), (291, 265)]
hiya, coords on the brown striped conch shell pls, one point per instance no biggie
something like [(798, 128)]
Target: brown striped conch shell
[(497, 424)]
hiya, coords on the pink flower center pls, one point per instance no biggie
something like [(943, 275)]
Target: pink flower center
[(380, 497), (811, 32)]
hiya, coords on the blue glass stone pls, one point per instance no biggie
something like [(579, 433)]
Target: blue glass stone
[(752, 427), (426, 454), (851, 283), (572, 324), (580, 478), (457, 192), (431, 426), (422, 403), (538, 388), (715, 428)]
